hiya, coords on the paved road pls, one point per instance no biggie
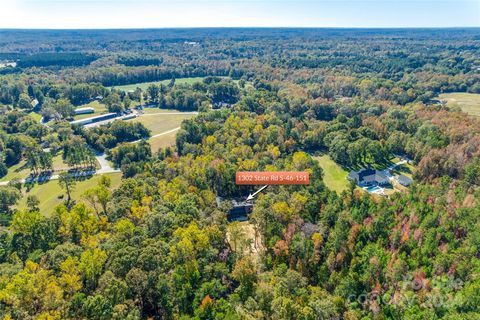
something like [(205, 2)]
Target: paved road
[(388, 172), (104, 165), (52, 177)]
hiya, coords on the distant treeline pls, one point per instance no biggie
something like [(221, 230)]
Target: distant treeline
[(55, 59), (136, 61), (10, 56), (150, 39), (363, 62), (10, 70), (119, 76)]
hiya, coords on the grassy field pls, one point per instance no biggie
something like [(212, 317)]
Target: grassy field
[(49, 193), (37, 117), (18, 171), (158, 110), (58, 163), (100, 108), (144, 85), (335, 177), (163, 141), (158, 123), (468, 102)]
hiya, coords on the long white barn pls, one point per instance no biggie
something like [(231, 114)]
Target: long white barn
[(102, 117)]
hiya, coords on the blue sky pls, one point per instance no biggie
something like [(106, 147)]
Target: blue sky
[(237, 13)]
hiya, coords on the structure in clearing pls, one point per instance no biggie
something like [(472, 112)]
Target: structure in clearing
[(404, 180), (85, 110), (239, 210), (368, 177)]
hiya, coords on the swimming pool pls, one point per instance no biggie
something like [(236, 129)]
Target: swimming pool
[(373, 189)]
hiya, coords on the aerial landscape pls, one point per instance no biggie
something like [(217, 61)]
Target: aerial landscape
[(239, 173)]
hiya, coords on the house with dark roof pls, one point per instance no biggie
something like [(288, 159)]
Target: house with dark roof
[(219, 105), (404, 180), (239, 209), (368, 177)]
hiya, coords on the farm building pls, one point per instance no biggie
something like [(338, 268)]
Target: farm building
[(129, 116), (102, 117), (84, 110)]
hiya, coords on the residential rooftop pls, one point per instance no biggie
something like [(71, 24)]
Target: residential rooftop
[(368, 176)]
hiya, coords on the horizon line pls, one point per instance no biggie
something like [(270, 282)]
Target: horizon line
[(248, 27)]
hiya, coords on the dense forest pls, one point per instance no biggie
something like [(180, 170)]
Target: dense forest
[(158, 245)]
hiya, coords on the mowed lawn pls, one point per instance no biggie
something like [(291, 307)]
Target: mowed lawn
[(17, 171), (155, 110), (161, 122), (163, 141), (468, 102), (36, 116), (49, 193), (145, 85), (334, 176)]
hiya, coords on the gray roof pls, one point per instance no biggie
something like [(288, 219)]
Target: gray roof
[(404, 180), (368, 176)]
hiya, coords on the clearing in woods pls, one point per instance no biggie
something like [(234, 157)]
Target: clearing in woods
[(145, 85), (163, 125), (334, 176), (162, 141), (468, 102), (244, 239), (163, 121)]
